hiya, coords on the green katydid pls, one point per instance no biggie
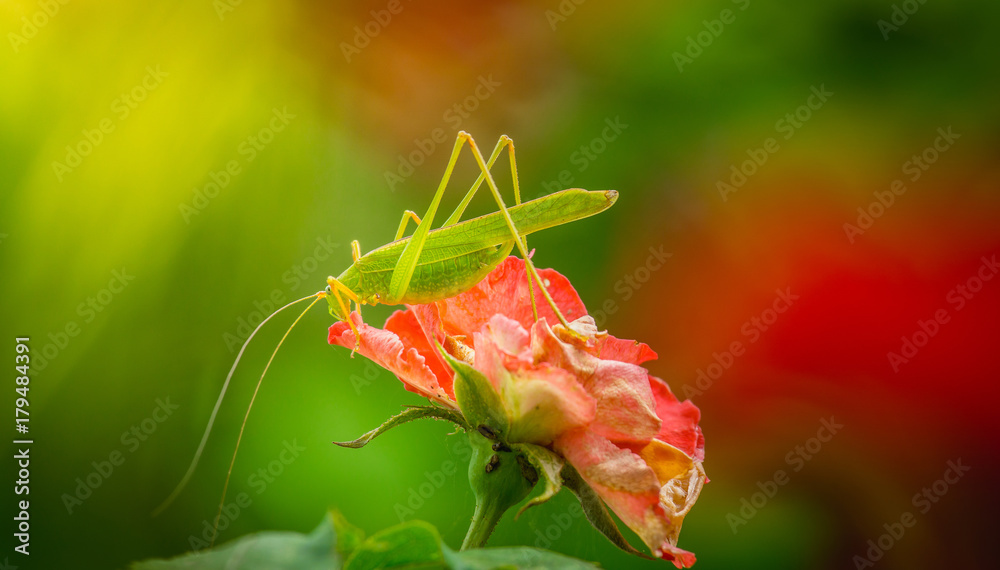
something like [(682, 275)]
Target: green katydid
[(433, 265), (436, 264)]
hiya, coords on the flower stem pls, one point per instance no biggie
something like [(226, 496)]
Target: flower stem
[(484, 521)]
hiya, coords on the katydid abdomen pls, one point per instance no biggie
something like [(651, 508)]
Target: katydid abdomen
[(432, 280)]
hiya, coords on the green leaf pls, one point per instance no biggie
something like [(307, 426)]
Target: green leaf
[(548, 465), (417, 544), (413, 544), (480, 403), (262, 551), (595, 510), (519, 558), (407, 415), (348, 535)]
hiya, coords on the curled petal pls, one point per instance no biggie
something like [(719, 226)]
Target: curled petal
[(411, 333), (387, 350), (630, 351), (507, 335), (681, 478), (680, 557)]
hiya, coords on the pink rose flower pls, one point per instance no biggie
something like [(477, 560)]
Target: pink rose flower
[(585, 396)]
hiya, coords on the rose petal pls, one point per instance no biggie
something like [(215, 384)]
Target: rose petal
[(411, 334), (505, 291), (680, 557), (680, 421), (631, 351), (507, 335), (387, 350)]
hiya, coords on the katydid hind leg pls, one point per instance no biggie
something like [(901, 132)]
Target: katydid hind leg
[(524, 239), (356, 250), (518, 239), (503, 142), (457, 214), (407, 216)]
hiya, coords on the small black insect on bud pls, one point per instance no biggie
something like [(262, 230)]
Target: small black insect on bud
[(527, 470), (500, 446), (493, 463), (487, 432)]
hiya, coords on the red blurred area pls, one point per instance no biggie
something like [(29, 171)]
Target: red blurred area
[(827, 355)]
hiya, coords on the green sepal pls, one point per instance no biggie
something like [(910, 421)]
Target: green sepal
[(596, 512), (548, 465), (407, 415), (479, 402)]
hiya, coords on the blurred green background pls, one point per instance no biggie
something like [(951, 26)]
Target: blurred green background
[(170, 170)]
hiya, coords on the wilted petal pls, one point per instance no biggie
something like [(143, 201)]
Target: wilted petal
[(680, 476), (386, 349), (680, 557), (629, 486), (682, 480), (626, 410)]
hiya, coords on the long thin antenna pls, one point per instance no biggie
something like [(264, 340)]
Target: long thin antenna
[(229, 473), (211, 420)]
